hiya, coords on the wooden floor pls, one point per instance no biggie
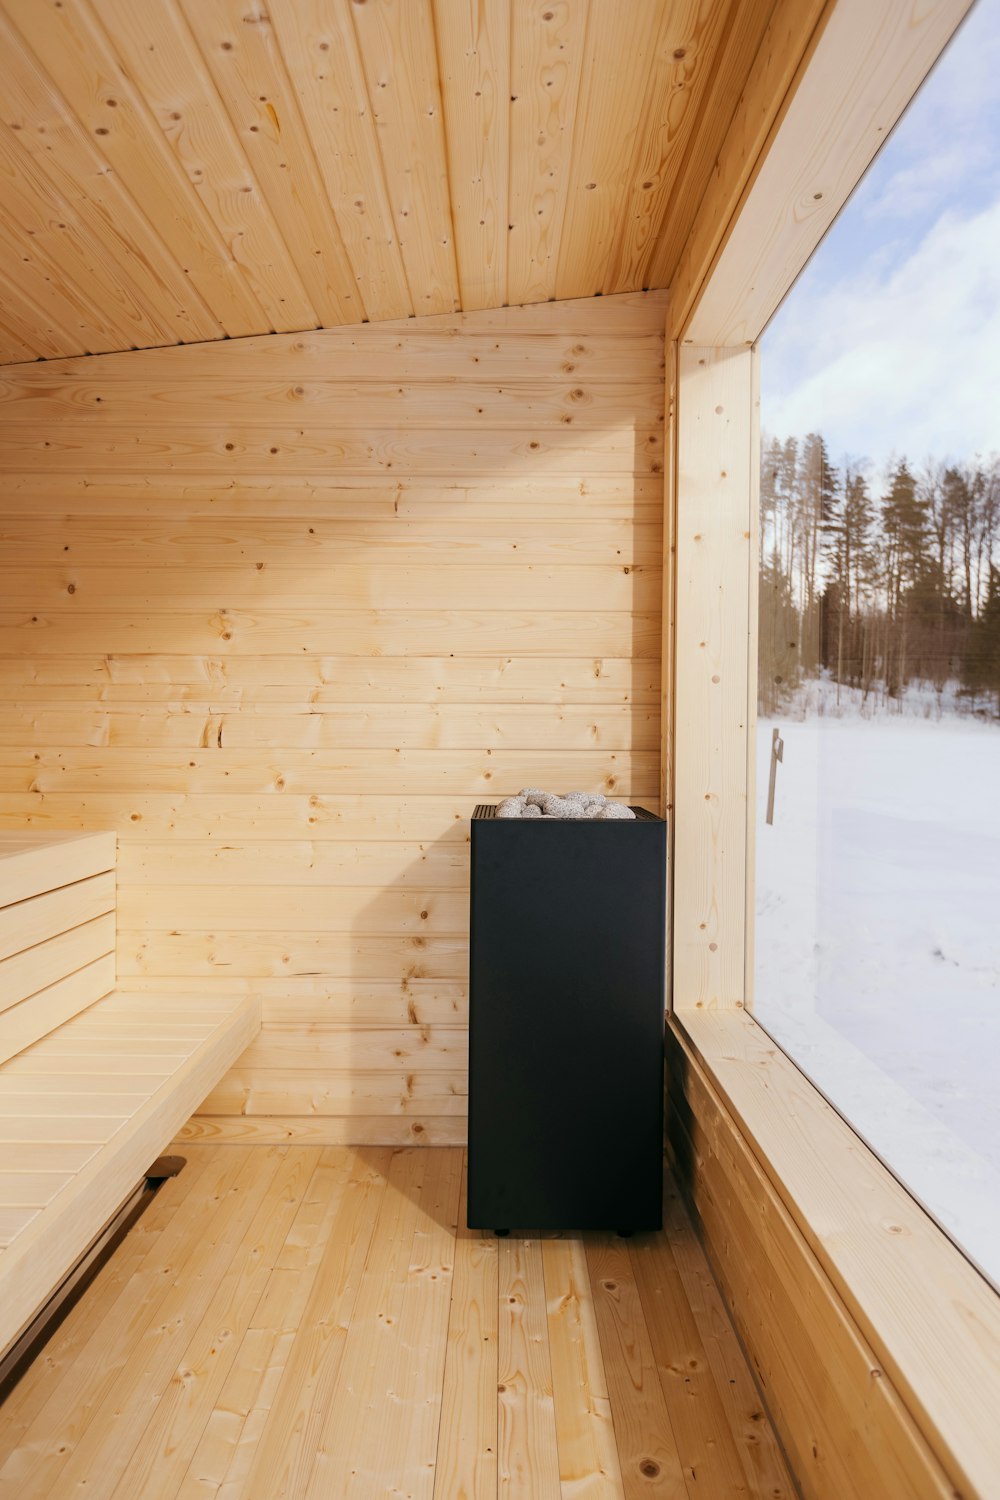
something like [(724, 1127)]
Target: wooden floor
[(307, 1322)]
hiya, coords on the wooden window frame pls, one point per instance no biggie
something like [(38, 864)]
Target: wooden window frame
[(873, 1246)]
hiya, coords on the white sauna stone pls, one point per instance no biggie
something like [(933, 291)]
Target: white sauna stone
[(532, 803)]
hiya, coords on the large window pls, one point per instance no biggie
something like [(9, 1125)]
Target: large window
[(878, 754)]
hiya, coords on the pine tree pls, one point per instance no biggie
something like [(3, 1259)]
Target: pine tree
[(981, 667), (848, 536), (904, 523), (816, 495)]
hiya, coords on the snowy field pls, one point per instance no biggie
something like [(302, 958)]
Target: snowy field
[(878, 940)]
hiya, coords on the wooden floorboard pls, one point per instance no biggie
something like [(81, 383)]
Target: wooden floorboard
[(290, 1322)]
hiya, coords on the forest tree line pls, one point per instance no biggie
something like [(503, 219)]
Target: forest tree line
[(879, 589)]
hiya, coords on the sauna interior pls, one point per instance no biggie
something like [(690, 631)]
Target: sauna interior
[(378, 435)]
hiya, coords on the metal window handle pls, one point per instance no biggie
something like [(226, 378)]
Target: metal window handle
[(777, 753)]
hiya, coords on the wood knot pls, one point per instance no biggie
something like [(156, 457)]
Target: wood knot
[(650, 1468)]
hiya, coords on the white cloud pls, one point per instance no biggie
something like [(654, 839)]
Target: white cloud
[(907, 361), (890, 341)]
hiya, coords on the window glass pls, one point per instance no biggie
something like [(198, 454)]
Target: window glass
[(877, 946)]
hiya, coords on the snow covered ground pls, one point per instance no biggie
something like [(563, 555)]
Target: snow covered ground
[(878, 939)]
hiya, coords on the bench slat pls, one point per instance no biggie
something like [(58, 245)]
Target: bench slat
[(24, 924), (31, 862), (23, 1024), (42, 1245), (36, 968)]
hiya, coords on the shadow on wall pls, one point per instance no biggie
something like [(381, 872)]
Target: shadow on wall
[(407, 1059)]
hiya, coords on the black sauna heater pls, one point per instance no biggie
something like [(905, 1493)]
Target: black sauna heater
[(566, 1018)]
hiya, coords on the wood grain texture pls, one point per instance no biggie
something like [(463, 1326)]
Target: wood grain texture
[(527, 1455), (311, 1319), (467, 1435), (33, 862), (327, 1130), (248, 71), (399, 57), (588, 1457), (793, 28), (764, 1463), (628, 587), (286, 696), (51, 155), (682, 70), (858, 1232), (309, 1309), (715, 424), (176, 1072), (23, 924), (99, 94), (320, 49), (743, 26), (647, 1446), (827, 138), (547, 59), (473, 56), (157, 47), (612, 92), (48, 1007), (229, 169), (168, 1444), (817, 1410)]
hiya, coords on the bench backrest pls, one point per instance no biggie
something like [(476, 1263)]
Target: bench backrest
[(57, 931)]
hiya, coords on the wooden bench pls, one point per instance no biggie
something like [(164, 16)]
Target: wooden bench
[(94, 1082)]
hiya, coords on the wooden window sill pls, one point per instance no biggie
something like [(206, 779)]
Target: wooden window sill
[(932, 1319)]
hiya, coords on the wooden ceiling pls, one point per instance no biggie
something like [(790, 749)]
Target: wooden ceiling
[(181, 170)]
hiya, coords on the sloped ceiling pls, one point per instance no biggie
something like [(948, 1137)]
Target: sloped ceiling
[(173, 171)]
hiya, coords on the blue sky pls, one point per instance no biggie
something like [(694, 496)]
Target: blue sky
[(889, 342)]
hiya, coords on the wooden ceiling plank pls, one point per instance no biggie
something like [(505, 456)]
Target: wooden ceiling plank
[(618, 59), (57, 188), (78, 57), (397, 43), (746, 25), (791, 32), (547, 42), (320, 48), (30, 321), (244, 58), (156, 46), (473, 48), (87, 248), (30, 270), (683, 62), (13, 349)]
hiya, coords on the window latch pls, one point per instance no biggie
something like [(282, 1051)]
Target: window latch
[(777, 753)]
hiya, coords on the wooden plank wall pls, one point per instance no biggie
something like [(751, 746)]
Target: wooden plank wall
[(280, 611)]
